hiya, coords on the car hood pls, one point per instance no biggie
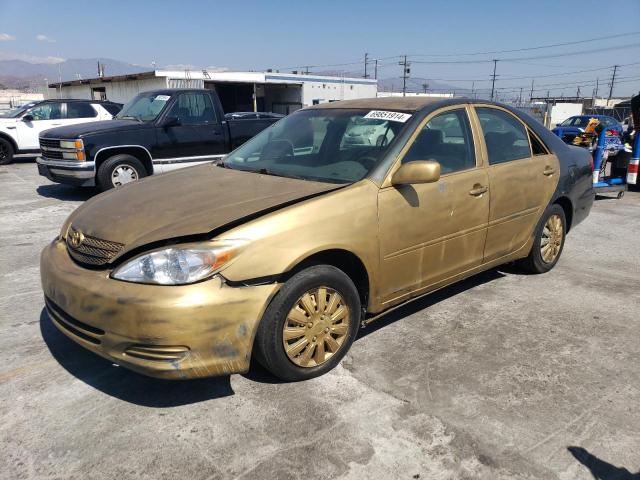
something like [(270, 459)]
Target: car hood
[(8, 121), (184, 203), (89, 128)]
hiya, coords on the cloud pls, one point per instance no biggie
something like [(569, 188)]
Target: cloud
[(5, 37), (43, 38), (30, 58)]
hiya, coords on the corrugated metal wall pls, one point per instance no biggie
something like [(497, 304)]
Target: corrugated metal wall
[(185, 83)]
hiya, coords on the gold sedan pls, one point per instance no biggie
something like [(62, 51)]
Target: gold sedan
[(316, 226)]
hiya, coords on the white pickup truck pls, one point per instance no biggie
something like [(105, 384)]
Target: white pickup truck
[(21, 127)]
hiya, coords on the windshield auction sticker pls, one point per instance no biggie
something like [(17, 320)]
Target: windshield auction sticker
[(162, 98), (391, 116)]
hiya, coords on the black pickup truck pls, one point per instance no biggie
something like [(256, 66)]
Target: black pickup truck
[(155, 132)]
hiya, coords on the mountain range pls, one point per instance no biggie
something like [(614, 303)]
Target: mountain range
[(33, 76), (24, 75)]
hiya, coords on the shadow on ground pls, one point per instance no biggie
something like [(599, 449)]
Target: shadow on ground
[(66, 192), (124, 384), (600, 469)]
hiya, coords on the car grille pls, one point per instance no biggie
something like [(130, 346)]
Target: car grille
[(69, 324), (94, 251)]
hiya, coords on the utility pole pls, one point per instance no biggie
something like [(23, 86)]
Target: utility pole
[(493, 79), (473, 84), (405, 74), (375, 69), (613, 79), (425, 87), (520, 97), (366, 60), (595, 93), (578, 92), (531, 93), (306, 70)]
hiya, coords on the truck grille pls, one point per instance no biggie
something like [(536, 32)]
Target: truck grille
[(94, 251), (51, 148), (46, 143)]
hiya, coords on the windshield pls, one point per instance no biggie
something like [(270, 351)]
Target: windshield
[(144, 107), (327, 145), (17, 111)]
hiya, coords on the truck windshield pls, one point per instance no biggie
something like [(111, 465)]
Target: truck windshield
[(328, 145), (144, 107)]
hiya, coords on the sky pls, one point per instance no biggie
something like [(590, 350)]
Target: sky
[(289, 35)]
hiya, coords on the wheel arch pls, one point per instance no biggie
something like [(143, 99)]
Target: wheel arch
[(137, 151), (343, 260), (567, 206), (11, 140)]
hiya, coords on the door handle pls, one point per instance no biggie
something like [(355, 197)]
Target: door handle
[(478, 190), (548, 171)]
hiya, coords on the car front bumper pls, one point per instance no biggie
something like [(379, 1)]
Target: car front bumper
[(173, 332), (71, 172)]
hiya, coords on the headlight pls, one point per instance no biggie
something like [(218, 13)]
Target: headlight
[(72, 144), (179, 265)]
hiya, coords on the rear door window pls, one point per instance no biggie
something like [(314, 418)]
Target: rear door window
[(506, 137), (80, 110)]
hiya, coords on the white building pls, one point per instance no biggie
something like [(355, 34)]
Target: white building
[(238, 91), (10, 98)]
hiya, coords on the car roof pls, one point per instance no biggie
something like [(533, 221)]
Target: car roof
[(411, 104)]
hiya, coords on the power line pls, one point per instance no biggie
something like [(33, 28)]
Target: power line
[(540, 47)]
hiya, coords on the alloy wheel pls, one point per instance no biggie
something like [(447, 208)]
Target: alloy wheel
[(551, 242), (316, 327)]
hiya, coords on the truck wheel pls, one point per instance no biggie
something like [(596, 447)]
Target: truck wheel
[(6, 152), (118, 170), (310, 324), (549, 241)]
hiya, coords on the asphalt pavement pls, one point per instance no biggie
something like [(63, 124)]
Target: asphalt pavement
[(502, 376)]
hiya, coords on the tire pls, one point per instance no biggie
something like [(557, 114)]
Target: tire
[(6, 152), (318, 329), (536, 261), (106, 177)]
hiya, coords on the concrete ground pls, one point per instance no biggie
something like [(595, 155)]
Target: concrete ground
[(502, 376)]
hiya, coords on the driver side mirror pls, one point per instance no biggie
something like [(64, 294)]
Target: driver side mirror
[(420, 171), (171, 122), (27, 118)]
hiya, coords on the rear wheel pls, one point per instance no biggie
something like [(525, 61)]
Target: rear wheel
[(119, 170), (310, 325), (549, 241), (6, 152)]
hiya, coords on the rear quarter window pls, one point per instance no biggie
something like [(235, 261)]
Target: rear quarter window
[(112, 108)]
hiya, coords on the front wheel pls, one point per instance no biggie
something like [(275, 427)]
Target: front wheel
[(6, 152), (310, 324), (549, 241), (119, 170)]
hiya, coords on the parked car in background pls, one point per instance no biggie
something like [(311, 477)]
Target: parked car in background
[(573, 126), (251, 115), (282, 250), (156, 132), (21, 127)]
